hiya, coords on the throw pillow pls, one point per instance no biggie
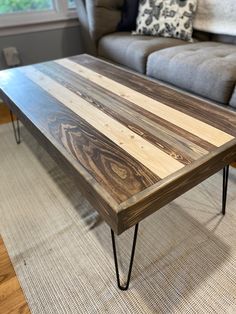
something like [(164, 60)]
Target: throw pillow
[(129, 15), (166, 18)]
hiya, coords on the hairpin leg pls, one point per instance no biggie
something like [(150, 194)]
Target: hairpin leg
[(225, 188), (126, 286), (16, 128)]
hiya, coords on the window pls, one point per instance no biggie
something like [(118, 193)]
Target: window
[(14, 6), (71, 4), (23, 12)]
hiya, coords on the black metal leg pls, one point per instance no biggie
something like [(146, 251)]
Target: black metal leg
[(126, 286), (225, 188), (16, 128)]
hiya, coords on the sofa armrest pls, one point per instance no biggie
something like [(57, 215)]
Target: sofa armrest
[(98, 18)]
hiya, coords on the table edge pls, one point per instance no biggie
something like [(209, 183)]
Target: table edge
[(187, 177)]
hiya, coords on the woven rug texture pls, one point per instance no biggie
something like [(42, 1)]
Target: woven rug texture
[(61, 250)]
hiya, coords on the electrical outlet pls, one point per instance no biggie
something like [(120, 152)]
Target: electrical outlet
[(12, 56)]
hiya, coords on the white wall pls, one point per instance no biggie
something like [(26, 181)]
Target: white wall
[(44, 45)]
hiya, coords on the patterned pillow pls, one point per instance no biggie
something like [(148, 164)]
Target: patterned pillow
[(166, 18)]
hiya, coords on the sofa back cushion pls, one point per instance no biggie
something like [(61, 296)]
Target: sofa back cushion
[(129, 16), (204, 36), (103, 16), (201, 36), (216, 17), (226, 39)]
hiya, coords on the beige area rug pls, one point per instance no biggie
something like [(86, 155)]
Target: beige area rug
[(186, 252)]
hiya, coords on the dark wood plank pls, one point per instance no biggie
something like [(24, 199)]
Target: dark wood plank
[(106, 206), (162, 127), (210, 113), (141, 122), (106, 162), (147, 202)]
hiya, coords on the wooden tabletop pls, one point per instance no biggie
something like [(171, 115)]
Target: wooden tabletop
[(131, 144)]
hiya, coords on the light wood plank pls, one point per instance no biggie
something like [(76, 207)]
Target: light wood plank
[(190, 124), (149, 155), (178, 145), (197, 107), (165, 191)]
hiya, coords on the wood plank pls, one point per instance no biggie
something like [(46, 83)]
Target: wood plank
[(4, 114), (142, 123), (114, 101), (147, 202), (190, 124), (98, 197), (88, 151), (160, 164), (6, 268), (8, 287), (15, 303), (216, 115), (12, 299)]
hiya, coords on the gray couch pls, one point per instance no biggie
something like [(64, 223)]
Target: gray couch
[(206, 67)]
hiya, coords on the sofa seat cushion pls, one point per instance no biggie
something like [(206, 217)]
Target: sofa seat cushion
[(207, 69), (132, 51)]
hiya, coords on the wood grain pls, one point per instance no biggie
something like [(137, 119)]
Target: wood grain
[(12, 299), (132, 211), (84, 148), (160, 164), (180, 119), (171, 139), (125, 140), (207, 111)]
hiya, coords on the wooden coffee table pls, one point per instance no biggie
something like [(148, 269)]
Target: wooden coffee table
[(130, 144)]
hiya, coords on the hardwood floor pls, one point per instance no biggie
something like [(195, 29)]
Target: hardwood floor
[(4, 114), (12, 299)]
